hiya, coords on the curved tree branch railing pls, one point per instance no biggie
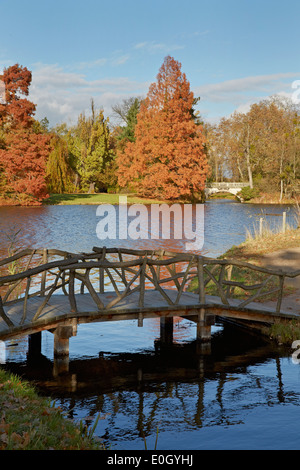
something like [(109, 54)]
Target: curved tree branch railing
[(123, 272)]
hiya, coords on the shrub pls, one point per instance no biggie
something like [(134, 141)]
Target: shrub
[(248, 193)]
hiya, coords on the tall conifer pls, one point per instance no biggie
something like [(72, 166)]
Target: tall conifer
[(167, 159)]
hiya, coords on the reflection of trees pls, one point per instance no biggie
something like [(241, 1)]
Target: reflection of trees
[(184, 404), (170, 388)]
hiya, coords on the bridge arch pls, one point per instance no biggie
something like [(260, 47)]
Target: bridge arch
[(228, 187)]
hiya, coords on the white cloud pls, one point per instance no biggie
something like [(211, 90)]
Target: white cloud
[(121, 60), (245, 107), (153, 47), (61, 95), (223, 98), (51, 75), (113, 61), (92, 63), (238, 90)]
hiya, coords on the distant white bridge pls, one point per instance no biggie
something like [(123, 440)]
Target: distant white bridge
[(228, 187)]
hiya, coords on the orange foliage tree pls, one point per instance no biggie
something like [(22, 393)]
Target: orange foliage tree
[(24, 151), (167, 159)]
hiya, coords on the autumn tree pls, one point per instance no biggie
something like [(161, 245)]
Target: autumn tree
[(23, 149), (261, 146), (167, 158), (16, 110), (217, 151), (24, 162), (276, 148)]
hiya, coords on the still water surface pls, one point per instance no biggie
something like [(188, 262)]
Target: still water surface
[(244, 395)]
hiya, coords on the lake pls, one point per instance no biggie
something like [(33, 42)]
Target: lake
[(244, 395)]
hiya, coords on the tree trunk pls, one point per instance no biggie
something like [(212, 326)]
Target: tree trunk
[(91, 188), (76, 181), (216, 168), (239, 169), (247, 153), (281, 179)]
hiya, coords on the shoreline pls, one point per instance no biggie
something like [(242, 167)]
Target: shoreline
[(106, 198)]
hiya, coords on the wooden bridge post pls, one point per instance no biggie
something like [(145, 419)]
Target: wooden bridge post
[(204, 323), (166, 330), (203, 332), (62, 334)]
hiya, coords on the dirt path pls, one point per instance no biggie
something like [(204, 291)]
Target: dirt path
[(287, 260)]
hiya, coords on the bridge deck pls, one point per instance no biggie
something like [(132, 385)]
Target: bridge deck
[(155, 305)]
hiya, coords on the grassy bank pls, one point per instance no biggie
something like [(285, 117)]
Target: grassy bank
[(105, 198), (29, 422), (252, 251), (101, 198), (272, 198), (255, 247)]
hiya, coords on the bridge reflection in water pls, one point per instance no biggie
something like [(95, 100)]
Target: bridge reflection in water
[(146, 386)]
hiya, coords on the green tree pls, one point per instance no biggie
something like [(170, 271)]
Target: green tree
[(89, 143), (127, 131), (59, 172)]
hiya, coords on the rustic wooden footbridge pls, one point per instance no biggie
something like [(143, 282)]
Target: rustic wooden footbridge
[(54, 290)]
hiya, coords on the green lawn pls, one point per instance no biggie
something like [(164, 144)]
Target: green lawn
[(30, 422), (101, 198)]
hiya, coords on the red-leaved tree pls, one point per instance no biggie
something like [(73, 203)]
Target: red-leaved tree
[(17, 110), (23, 151), (167, 159)]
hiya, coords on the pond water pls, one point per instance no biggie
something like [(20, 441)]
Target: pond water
[(245, 394)]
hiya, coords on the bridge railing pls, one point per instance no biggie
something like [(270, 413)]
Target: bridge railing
[(30, 273), (226, 184), (243, 282), (122, 272)]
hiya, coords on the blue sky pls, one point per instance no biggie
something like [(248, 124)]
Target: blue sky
[(233, 52)]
